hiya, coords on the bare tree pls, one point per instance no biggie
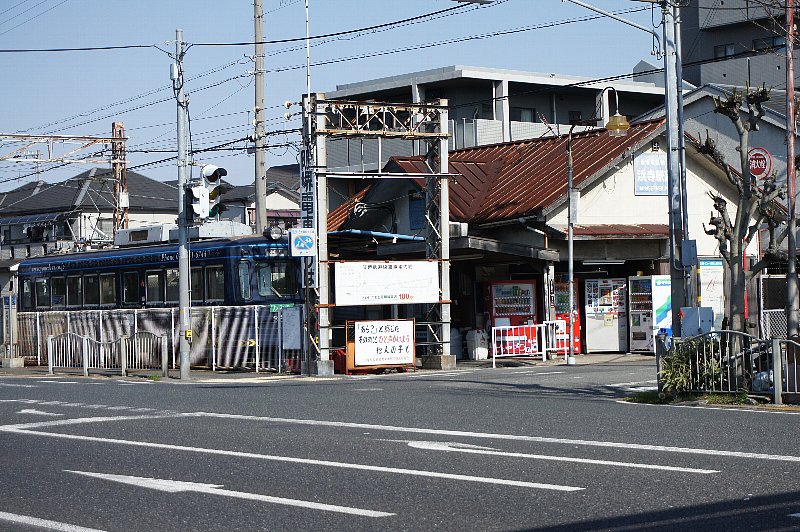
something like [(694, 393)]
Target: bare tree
[(756, 204)]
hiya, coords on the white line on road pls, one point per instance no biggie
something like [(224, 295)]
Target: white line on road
[(624, 384), (38, 412), (722, 408), (528, 372), (513, 437), (472, 449), (794, 515), (25, 429), (10, 385), (43, 523), (176, 486)]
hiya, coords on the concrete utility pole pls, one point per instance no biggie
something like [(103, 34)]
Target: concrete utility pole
[(183, 230), (677, 271), (260, 134), (791, 175)]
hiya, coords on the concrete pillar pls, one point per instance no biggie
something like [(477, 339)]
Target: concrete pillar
[(502, 110)]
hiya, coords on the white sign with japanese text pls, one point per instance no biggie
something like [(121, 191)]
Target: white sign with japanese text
[(386, 283), (379, 343)]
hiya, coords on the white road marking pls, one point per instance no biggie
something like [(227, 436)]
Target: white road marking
[(794, 515), (176, 486), (437, 374), (528, 372), (12, 385), (25, 428), (474, 449), (626, 384), (38, 412), (513, 437), (43, 523), (367, 389), (725, 409), (60, 382), (129, 383)]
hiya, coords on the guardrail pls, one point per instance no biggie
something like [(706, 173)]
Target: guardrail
[(518, 340), (141, 352), (729, 362)]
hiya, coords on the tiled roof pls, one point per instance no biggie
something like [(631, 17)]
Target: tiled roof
[(94, 189), (621, 231), (511, 180)]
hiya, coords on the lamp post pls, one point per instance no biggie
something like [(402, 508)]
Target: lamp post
[(617, 126)]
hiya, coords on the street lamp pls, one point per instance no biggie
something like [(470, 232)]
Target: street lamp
[(617, 126)]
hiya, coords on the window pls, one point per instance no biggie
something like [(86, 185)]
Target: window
[(130, 288), (74, 294), (215, 283), (108, 289), (276, 279), (155, 287), (575, 117), (173, 287), (244, 280), (42, 293), (91, 290), (416, 211), (27, 294), (769, 43), (724, 50), (197, 285), (59, 288), (522, 114)]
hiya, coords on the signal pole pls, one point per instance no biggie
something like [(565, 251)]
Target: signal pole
[(259, 133), (791, 172), (185, 317)]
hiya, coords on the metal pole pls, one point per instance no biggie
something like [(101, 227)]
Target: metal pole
[(691, 296), (791, 238), (570, 255), (183, 240), (678, 288), (259, 134)]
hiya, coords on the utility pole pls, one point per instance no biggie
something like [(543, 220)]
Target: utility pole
[(791, 237), (183, 229), (260, 134), (676, 268)]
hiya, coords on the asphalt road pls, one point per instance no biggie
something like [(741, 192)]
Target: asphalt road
[(536, 448)]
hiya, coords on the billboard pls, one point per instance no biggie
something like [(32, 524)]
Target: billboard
[(386, 282)]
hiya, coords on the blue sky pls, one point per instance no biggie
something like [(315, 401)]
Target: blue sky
[(82, 93)]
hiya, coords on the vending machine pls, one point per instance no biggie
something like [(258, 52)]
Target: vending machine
[(512, 303), (651, 309), (606, 315), (561, 291)]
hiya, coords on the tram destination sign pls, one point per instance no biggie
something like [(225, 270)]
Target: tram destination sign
[(386, 282)]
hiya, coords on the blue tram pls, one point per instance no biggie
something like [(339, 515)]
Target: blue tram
[(229, 271)]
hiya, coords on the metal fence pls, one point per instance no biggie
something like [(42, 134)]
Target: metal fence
[(530, 340), (730, 362), (251, 337), (143, 351)]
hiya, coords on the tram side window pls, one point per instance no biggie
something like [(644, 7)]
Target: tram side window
[(27, 294), (173, 289), (215, 283), (108, 289), (197, 285), (130, 287), (42, 293), (155, 287), (276, 279), (91, 290), (59, 288), (244, 280), (74, 294)]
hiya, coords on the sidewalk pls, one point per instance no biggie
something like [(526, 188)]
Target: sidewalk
[(206, 376)]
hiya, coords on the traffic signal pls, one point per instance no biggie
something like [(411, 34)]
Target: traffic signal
[(198, 204), (212, 181)]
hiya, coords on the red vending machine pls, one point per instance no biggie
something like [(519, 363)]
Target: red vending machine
[(561, 289), (512, 303)]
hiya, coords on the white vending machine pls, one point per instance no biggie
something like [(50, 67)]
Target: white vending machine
[(606, 315), (651, 310)]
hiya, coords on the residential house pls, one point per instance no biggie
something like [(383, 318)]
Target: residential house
[(508, 213)]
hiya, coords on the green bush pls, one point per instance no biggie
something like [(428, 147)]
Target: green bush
[(682, 370)]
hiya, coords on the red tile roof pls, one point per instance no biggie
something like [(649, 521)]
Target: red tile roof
[(621, 231), (510, 180)]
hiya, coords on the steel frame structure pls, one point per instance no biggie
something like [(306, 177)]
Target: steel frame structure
[(426, 124)]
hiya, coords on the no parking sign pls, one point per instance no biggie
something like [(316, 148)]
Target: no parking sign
[(302, 242)]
